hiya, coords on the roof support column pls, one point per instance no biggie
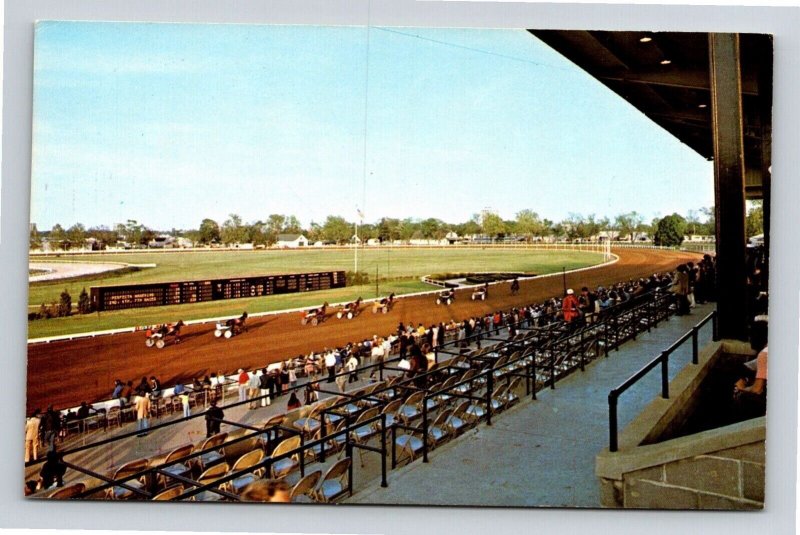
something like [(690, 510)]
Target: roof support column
[(765, 98), (729, 180)]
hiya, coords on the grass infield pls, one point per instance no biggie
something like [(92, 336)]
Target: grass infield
[(398, 270)]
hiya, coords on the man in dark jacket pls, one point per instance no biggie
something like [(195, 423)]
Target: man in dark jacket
[(126, 394), (267, 384), (213, 416), (143, 389), (53, 471), (403, 345), (51, 425)]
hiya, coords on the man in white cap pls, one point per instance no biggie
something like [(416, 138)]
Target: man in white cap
[(570, 307)]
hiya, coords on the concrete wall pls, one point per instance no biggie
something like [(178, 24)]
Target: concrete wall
[(721, 468), (732, 478)]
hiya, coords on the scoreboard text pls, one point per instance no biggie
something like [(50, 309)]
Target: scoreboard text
[(181, 293)]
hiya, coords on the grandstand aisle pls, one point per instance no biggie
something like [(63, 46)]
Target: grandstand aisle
[(542, 453)]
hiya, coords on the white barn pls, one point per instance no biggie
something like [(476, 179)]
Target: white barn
[(291, 241)]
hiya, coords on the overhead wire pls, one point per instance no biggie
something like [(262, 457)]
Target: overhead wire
[(472, 49)]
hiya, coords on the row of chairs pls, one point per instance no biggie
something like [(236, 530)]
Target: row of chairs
[(117, 416), (447, 419), (318, 487), (212, 465), (452, 417), (207, 467)]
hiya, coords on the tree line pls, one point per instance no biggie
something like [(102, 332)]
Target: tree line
[(526, 226)]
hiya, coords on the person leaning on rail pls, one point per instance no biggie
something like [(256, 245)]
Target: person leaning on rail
[(750, 391)]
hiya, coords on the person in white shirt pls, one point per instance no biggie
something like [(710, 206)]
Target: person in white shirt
[(378, 354), (253, 387), (184, 397), (352, 366), (330, 364)]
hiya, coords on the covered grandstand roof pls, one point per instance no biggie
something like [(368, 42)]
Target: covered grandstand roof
[(666, 76)]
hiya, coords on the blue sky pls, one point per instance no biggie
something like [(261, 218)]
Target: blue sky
[(170, 123)]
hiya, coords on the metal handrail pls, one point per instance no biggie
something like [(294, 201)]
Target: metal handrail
[(269, 461), (663, 360)]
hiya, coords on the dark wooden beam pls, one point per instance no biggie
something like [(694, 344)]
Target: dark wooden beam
[(672, 77), (729, 184)]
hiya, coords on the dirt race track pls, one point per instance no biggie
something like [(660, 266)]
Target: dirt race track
[(66, 373)]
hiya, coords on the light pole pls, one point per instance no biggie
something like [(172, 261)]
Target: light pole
[(360, 221)]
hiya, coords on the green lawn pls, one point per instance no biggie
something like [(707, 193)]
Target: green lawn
[(398, 269)]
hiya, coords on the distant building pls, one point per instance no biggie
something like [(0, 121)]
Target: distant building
[(699, 238), (184, 243), (479, 239), (423, 241), (291, 241), (452, 238), (607, 235), (161, 242), (511, 239)]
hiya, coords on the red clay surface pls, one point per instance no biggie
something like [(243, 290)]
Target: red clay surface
[(68, 372)]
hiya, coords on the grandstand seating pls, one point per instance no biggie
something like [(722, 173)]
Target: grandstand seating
[(286, 465), (332, 485), (125, 471), (213, 451), (247, 460), (68, 492), (169, 494), (174, 467), (306, 486), (420, 414)]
